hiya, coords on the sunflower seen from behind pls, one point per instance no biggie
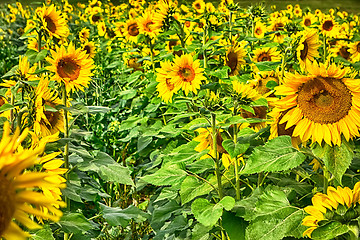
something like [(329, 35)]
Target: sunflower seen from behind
[(322, 105), (187, 74), (19, 189), (71, 67)]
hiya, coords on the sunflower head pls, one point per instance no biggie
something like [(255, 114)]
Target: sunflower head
[(235, 58), (52, 21)]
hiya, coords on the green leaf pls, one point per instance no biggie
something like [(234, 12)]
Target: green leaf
[(128, 94), (75, 223), (11, 72), (221, 73), (207, 213), (116, 173), (191, 188), (167, 175), (235, 149), (248, 108), (267, 66), (275, 226), (117, 216), (329, 231), (43, 234), (6, 106), (232, 120), (41, 55), (276, 155), (143, 142), (97, 109), (234, 226), (200, 232), (336, 159)]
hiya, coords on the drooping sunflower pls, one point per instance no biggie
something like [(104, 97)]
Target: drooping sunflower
[(165, 87), (341, 49), (354, 50), (260, 29), (53, 22), (19, 190), (322, 105), (71, 66), (48, 120), (337, 205), (235, 58), (187, 74), (146, 24), (131, 30), (308, 47)]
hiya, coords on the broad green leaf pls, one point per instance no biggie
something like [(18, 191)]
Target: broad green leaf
[(143, 142), (191, 188), (267, 66), (201, 165), (11, 72), (329, 231), (168, 175), (162, 213), (248, 108), (116, 173), (336, 159), (275, 226), (97, 109), (221, 73), (128, 94), (235, 149), (6, 106), (41, 55), (234, 226), (43, 234), (116, 216), (200, 232), (207, 213), (167, 194), (75, 223), (71, 192), (276, 155)]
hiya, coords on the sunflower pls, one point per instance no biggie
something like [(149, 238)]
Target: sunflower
[(187, 74), (329, 26), (341, 49), (71, 66), (265, 54), (354, 50), (146, 25), (20, 195), (26, 72), (166, 87), (131, 30), (322, 105), (259, 30), (89, 48), (297, 12), (164, 9), (308, 19), (308, 47), (48, 120), (337, 205), (235, 58), (199, 6), (53, 22), (278, 24)]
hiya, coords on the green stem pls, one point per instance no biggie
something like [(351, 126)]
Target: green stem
[(152, 56), (66, 135), (204, 42), (39, 45), (216, 157), (230, 26), (237, 182), (252, 27), (326, 179), (324, 47), (283, 65), (12, 102)]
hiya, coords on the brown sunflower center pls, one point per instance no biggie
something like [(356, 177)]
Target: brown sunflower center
[(187, 73), (328, 25), (263, 57), (232, 61), (52, 117), (304, 52), (278, 27), (133, 29), (172, 43), (7, 203), (50, 25), (87, 49), (169, 84), (95, 18), (324, 100), (258, 31), (2, 101), (281, 127), (197, 6), (344, 52), (148, 26), (307, 22), (68, 68), (358, 47), (187, 23)]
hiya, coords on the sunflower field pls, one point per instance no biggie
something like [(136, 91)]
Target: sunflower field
[(168, 120)]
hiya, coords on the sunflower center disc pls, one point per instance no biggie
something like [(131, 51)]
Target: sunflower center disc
[(187, 74), (169, 85), (324, 100), (264, 57), (87, 49), (68, 68), (303, 53), (307, 22), (328, 25), (133, 29), (7, 203), (50, 24), (232, 61), (358, 47)]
